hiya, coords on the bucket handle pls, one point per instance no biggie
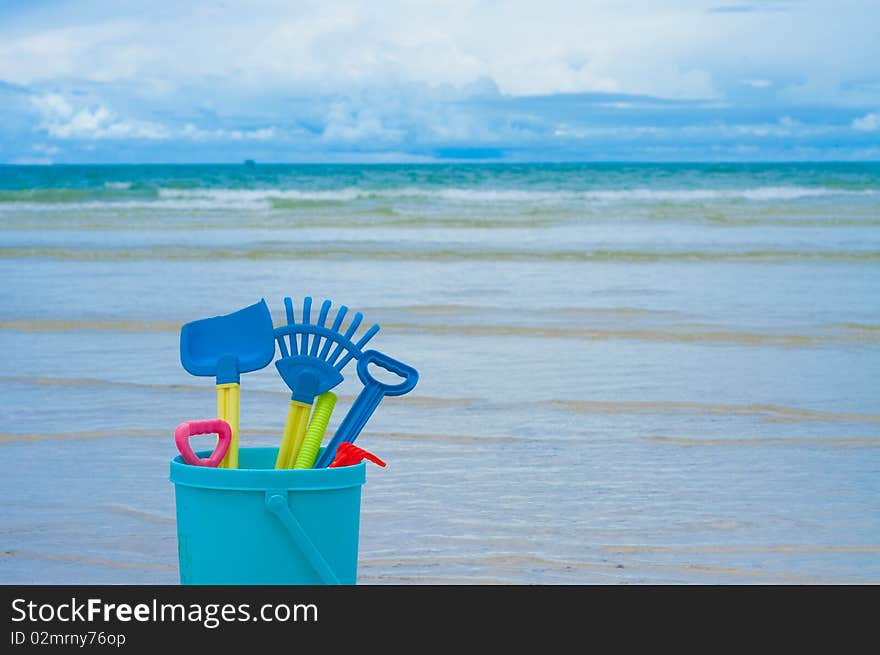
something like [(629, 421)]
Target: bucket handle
[(277, 503)]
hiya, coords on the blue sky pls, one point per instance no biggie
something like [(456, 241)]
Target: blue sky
[(639, 80)]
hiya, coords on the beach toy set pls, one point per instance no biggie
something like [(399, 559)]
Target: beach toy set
[(291, 514)]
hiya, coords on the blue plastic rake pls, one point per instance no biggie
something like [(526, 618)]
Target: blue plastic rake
[(311, 363)]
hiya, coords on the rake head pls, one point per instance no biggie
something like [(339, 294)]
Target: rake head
[(312, 354)]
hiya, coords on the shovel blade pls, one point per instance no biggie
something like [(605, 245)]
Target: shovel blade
[(225, 346)]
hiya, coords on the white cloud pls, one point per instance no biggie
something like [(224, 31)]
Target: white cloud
[(62, 121), (668, 50), (52, 104), (785, 126), (49, 151), (559, 47), (408, 77), (867, 123), (190, 131), (349, 124), (40, 155), (697, 133), (105, 50), (564, 131)]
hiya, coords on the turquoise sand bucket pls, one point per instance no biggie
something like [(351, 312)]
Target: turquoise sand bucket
[(258, 525)]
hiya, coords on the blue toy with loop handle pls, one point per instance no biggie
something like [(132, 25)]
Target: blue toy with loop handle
[(368, 399)]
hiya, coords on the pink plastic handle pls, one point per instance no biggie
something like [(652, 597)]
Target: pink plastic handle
[(206, 426)]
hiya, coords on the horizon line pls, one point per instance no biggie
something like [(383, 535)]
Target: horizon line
[(471, 162)]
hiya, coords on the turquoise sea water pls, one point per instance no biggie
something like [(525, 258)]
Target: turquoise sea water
[(630, 373)]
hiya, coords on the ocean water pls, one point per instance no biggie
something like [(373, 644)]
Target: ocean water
[(629, 373)]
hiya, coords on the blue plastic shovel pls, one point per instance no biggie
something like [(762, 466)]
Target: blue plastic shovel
[(368, 399), (224, 347)]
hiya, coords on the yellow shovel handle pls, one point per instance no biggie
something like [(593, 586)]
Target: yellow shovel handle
[(294, 430), (227, 409)]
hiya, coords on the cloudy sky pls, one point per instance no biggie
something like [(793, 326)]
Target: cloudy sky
[(411, 80)]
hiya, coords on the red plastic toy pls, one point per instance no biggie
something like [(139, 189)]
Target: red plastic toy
[(348, 455)]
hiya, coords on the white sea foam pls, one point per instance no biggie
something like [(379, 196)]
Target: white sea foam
[(255, 195), (509, 195), (267, 199), (649, 195)]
